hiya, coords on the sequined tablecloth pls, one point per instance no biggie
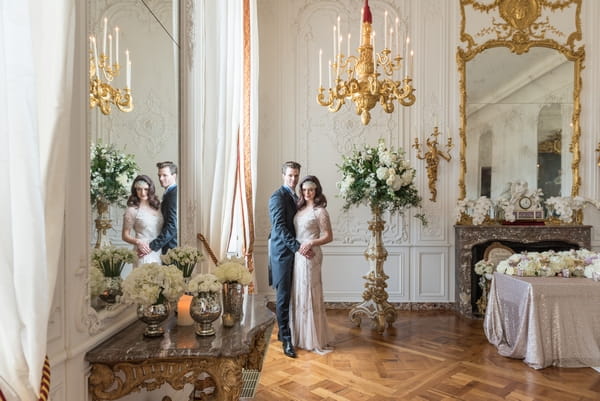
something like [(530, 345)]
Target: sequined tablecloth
[(547, 321)]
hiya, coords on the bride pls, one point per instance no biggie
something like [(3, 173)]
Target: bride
[(144, 217), (308, 321)]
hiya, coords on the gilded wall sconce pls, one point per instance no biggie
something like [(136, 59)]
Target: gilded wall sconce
[(432, 158)]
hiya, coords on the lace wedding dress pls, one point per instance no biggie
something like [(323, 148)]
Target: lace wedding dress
[(147, 223), (308, 321)]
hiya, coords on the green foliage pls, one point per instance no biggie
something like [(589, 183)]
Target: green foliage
[(111, 173)]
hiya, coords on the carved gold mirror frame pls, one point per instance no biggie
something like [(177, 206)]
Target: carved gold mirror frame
[(520, 25)]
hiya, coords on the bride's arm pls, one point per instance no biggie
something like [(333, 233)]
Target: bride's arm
[(128, 219), (326, 234)]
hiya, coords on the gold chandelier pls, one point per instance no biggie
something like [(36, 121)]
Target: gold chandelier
[(103, 70), (362, 84)]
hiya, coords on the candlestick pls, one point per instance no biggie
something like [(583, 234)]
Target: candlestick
[(329, 69), (339, 31), (348, 54), (93, 39), (117, 45), (129, 74), (183, 311), (104, 41), (320, 68), (334, 40), (385, 29), (406, 55), (410, 71), (109, 49), (397, 35)]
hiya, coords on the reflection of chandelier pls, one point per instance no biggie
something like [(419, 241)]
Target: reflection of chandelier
[(102, 94), (362, 85)]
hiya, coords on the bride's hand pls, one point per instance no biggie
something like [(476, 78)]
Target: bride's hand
[(305, 247)]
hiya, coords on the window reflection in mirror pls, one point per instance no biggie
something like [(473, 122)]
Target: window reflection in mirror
[(515, 105), (149, 31)]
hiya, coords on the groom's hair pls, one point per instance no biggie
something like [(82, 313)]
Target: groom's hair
[(172, 166), (290, 164)]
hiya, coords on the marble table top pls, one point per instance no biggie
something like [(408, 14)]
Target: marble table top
[(130, 345)]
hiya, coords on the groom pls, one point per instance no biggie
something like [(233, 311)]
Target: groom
[(282, 247), (167, 239)]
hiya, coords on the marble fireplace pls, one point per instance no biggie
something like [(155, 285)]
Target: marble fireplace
[(471, 241)]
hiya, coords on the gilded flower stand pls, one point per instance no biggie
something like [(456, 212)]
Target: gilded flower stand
[(375, 305)]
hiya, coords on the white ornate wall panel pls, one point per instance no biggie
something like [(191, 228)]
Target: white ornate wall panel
[(294, 127), (430, 281)]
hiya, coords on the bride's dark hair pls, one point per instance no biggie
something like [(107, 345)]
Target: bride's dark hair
[(320, 199), (153, 200)]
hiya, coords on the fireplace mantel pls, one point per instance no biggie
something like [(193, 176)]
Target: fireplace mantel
[(467, 237)]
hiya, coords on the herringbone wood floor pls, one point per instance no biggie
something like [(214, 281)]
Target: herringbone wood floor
[(426, 356)]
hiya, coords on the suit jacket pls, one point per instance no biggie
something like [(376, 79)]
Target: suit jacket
[(167, 238), (283, 244)]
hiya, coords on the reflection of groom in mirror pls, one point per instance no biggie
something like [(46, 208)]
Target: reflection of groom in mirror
[(167, 239)]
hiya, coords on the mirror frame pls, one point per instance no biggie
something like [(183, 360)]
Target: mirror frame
[(523, 24)]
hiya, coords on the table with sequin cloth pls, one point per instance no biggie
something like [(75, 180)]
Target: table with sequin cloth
[(546, 321)]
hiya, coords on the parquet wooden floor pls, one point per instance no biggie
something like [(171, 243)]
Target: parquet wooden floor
[(426, 356)]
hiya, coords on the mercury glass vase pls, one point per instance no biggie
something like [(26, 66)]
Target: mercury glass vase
[(153, 316), (112, 289), (205, 309), (233, 300)]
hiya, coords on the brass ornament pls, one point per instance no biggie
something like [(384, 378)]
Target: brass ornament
[(432, 158)]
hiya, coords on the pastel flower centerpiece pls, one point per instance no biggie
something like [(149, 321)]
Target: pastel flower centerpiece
[(233, 270), (185, 258), (549, 263), (111, 260), (380, 178), (152, 284), (204, 283)]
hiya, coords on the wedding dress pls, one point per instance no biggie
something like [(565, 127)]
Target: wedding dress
[(147, 223), (308, 321)]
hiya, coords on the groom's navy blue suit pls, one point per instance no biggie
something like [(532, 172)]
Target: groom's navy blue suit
[(282, 247), (167, 238)]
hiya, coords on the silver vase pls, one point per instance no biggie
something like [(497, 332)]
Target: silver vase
[(112, 289), (233, 300), (205, 309), (153, 316)]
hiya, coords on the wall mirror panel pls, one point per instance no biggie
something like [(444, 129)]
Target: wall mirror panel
[(520, 83), (149, 30)]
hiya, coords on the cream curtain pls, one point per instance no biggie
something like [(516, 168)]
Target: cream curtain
[(36, 53), (220, 71)]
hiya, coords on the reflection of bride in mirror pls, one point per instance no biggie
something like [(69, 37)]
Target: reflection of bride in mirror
[(143, 216)]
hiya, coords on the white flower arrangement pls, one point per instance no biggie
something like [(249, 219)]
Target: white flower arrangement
[(508, 209), (152, 283), (380, 178), (549, 263), (564, 207), (204, 283), (185, 258), (111, 260), (96, 281), (478, 209), (111, 173), (233, 270), (484, 268)]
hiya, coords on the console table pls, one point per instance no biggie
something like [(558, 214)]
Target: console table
[(467, 237), (128, 361)]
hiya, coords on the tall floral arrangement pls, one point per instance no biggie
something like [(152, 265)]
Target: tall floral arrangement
[(152, 283), (111, 260), (185, 258), (204, 283), (111, 173), (233, 270), (378, 177)]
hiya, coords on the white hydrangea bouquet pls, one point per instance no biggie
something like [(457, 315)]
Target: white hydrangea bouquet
[(111, 173), (96, 281), (204, 283), (152, 284), (478, 209), (233, 270), (111, 260), (185, 258), (379, 178)]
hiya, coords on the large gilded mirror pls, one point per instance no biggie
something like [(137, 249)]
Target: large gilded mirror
[(520, 84), (149, 31)]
